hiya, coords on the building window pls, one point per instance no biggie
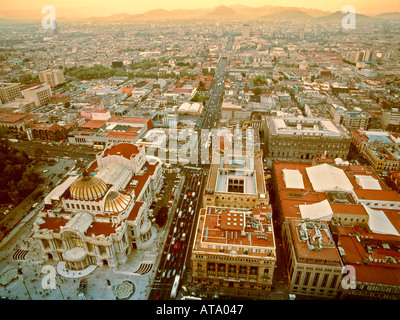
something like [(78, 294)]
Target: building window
[(306, 278), (315, 281), (324, 280), (333, 282), (297, 280)]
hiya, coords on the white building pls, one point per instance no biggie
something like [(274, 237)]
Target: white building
[(101, 216)]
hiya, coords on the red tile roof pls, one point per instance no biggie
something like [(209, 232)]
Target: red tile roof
[(53, 224), (93, 124), (135, 211), (13, 118), (99, 228), (382, 195), (123, 149)]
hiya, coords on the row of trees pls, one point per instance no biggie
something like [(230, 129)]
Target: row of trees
[(102, 72), (17, 176), (97, 72)]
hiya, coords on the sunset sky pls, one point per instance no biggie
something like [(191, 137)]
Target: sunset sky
[(107, 7)]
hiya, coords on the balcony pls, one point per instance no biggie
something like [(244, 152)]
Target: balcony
[(242, 275)]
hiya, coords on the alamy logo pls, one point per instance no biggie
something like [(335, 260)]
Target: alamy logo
[(49, 20), (349, 277), (49, 280), (349, 20)]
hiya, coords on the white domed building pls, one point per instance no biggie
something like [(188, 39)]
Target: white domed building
[(100, 216)]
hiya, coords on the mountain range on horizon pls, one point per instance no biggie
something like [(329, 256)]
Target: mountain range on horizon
[(222, 12)]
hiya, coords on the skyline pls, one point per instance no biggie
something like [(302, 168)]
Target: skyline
[(225, 153), (91, 8)]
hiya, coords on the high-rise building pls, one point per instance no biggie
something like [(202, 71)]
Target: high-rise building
[(246, 31), (39, 93), (53, 77), (9, 91)]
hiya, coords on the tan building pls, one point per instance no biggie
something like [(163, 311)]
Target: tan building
[(234, 251), (39, 93), (352, 118), (313, 261), (379, 148), (53, 77), (236, 178), (293, 138), (9, 91), (18, 105)]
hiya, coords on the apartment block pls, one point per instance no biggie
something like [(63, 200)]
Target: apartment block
[(9, 92), (236, 179), (390, 118), (39, 93), (53, 77), (352, 118)]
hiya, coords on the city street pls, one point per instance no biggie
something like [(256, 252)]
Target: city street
[(176, 253), (53, 150)]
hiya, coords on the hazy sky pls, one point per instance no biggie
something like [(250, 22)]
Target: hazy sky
[(107, 7)]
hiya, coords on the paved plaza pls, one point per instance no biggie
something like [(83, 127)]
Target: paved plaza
[(25, 255)]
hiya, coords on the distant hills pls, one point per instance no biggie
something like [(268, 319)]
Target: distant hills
[(338, 16), (293, 14), (234, 12)]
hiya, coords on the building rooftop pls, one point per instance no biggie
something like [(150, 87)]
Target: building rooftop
[(235, 228), (304, 126), (313, 242)]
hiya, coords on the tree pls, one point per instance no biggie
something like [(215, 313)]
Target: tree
[(257, 91), (162, 215), (38, 152), (17, 178)]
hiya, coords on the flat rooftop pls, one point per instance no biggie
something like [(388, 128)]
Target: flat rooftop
[(304, 126), (313, 242), (237, 181)]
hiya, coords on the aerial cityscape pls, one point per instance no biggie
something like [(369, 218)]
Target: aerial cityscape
[(237, 151)]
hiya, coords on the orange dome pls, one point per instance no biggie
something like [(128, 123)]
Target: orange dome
[(88, 188), (116, 202)]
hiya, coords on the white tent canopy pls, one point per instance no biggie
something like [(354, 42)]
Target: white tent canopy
[(325, 177), (293, 179), (378, 222), (368, 182), (320, 210)]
